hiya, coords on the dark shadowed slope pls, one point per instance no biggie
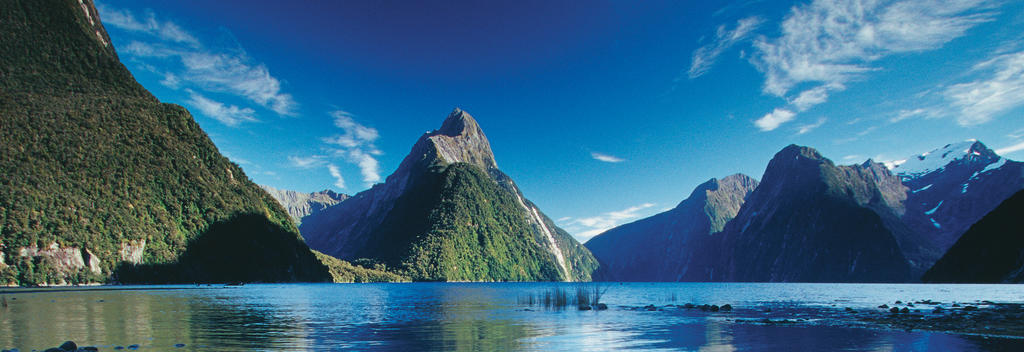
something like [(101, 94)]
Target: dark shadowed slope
[(812, 221), (991, 251), (661, 247)]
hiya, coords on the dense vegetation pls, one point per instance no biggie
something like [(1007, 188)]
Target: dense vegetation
[(342, 271), (91, 160), (457, 224)]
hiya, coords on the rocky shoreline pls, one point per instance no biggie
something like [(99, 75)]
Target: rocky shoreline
[(982, 318)]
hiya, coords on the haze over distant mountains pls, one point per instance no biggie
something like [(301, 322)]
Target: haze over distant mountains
[(448, 213), (812, 220), (299, 204)]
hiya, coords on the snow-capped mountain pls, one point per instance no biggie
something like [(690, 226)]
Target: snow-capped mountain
[(950, 189)]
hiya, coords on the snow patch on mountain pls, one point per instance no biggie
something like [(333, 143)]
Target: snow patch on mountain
[(930, 212), (934, 160)]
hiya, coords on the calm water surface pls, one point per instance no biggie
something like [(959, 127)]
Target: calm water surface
[(481, 316)]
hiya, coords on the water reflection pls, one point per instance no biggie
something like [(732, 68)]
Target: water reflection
[(461, 317)]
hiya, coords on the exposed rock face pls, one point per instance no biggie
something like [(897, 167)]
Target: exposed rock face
[(132, 251), (991, 251), (811, 221), (300, 205), (64, 259), (662, 247), (443, 164), (950, 189)]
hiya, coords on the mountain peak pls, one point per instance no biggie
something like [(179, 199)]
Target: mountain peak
[(969, 151), (458, 122), (460, 139), (794, 150)]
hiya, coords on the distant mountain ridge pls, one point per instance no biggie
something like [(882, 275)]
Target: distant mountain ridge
[(662, 247), (812, 220), (448, 213), (299, 204)]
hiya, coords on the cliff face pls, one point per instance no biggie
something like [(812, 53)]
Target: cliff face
[(100, 179), (449, 213), (663, 247)]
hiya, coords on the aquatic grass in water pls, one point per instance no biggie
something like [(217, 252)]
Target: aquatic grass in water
[(585, 297)]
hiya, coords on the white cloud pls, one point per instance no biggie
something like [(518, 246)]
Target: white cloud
[(705, 56), (356, 145), (354, 135), (125, 19), (186, 62), (803, 129), (826, 44), (368, 165), (908, 113), (585, 228), (338, 180), (810, 97), (606, 158), (1000, 90), (307, 162), (227, 114), (1010, 149), (831, 42), (774, 119)]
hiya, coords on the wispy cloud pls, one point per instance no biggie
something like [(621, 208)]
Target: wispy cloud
[(356, 145), (227, 114), (606, 158), (126, 20), (811, 97), (705, 56), (774, 119), (827, 44), (1010, 149), (909, 113), (307, 162), (184, 61), (338, 180), (585, 228), (1001, 89), (832, 42), (803, 129)]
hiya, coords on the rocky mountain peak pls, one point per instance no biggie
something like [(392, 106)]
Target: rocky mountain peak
[(970, 152), (459, 140)]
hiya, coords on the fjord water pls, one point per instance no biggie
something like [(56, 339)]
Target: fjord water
[(480, 316)]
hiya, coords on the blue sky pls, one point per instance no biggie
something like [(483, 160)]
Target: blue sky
[(603, 112)]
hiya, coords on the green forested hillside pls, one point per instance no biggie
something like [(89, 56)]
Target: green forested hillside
[(461, 226), (91, 161)]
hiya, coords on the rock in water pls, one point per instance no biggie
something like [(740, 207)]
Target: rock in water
[(449, 214)]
